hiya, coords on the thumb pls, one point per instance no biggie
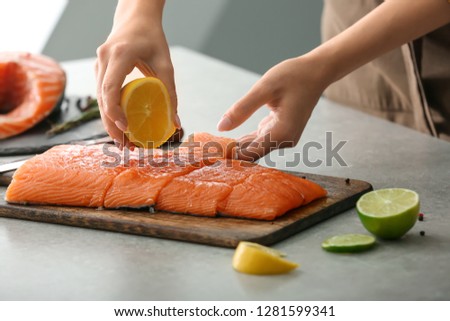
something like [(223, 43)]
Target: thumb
[(244, 108)]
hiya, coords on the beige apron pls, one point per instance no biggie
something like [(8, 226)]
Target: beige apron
[(409, 85)]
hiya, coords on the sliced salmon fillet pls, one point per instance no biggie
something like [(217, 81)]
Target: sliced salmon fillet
[(31, 86), (64, 175), (180, 181), (234, 188), (139, 185), (200, 191), (310, 190), (184, 195), (268, 194), (211, 146)]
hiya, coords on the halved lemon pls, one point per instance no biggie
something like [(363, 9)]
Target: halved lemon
[(147, 108), (253, 258)]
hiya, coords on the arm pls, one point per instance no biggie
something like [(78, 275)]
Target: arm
[(292, 88), (392, 24), (136, 40)]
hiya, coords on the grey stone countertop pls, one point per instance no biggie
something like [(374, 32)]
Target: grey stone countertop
[(51, 262)]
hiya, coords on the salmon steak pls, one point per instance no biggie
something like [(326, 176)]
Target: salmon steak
[(186, 180), (31, 86)]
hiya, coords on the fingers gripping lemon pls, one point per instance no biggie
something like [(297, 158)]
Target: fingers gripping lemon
[(147, 108)]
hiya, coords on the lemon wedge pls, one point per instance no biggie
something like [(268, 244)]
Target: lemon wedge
[(253, 258)]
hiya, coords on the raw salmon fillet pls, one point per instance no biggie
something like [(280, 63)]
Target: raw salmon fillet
[(211, 146), (200, 191), (139, 185), (146, 176), (184, 180), (267, 194), (31, 85), (65, 175)]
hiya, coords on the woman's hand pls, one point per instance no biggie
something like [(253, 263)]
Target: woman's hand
[(136, 40), (290, 89)]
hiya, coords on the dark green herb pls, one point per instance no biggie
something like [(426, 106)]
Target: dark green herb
[(90, 113)]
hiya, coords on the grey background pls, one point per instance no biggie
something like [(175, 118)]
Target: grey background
[(254, 34)]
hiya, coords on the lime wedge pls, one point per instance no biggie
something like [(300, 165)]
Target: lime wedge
[(253, 258), (389, 213), (348, 243)]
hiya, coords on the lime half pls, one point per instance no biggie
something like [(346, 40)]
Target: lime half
[(349, 243), (389, 213)]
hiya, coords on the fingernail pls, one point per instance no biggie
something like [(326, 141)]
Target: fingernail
[(118, 144), (177, 122), (224, 124), (120, 125)]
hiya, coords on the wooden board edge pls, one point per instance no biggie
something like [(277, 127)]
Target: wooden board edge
[(162, 232)]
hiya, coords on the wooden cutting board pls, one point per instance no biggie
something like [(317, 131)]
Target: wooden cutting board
[(221, 231)]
